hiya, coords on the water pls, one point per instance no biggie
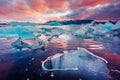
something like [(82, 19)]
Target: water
[(26, 64)]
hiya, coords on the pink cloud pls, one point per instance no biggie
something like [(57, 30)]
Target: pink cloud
[(27, 9)]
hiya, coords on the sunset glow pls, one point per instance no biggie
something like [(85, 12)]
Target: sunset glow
[(45, 10)]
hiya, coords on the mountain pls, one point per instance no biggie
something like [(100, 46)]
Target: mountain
[(67, 22), (75, 22), (3, 24)]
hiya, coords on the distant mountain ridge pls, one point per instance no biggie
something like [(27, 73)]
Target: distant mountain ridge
[(77, 22), (55, 22), (67, 22)]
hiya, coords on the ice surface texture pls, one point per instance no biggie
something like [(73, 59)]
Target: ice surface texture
[(80, 63)]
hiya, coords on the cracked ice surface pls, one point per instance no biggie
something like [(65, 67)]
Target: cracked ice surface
[(79, 62)]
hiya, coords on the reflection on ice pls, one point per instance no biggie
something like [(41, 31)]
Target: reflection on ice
[(96, 47), (80, 62)]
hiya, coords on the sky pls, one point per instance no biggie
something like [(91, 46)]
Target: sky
[(46, 10)]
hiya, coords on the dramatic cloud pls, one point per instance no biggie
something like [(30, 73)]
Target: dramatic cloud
[(44, 10), (111, 12)]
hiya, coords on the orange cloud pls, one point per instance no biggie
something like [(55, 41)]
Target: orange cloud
[(37, 5), (33, 10), (22, 8), (57, 4)]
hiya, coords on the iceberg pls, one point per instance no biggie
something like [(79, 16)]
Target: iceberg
[(54, 23), (78, 63), (19, 44), (107, 26), (40, 46), (117, 25), (96, 31), (9, 36), (52, 32), (23, 32)]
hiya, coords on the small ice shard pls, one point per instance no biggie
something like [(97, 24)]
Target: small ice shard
[(65, 51), (80, 79), (26, 69), (40, 74), (80, 63), (28, 78), (52, 74), (33, 59)]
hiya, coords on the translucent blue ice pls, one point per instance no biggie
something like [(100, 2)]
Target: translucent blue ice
[(79, 62), (23, 32)]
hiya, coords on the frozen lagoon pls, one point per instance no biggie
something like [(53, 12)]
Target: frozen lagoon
[(21, 65)]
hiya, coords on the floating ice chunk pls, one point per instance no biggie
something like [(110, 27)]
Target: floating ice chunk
[(107, 26), (80, 63), (9, 36), (54, 23), (27, 79), (81, 31), (23, 32), (117, 25), (50, 33), (40, 46), (65, 51), (19, 44), (97, 31)]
